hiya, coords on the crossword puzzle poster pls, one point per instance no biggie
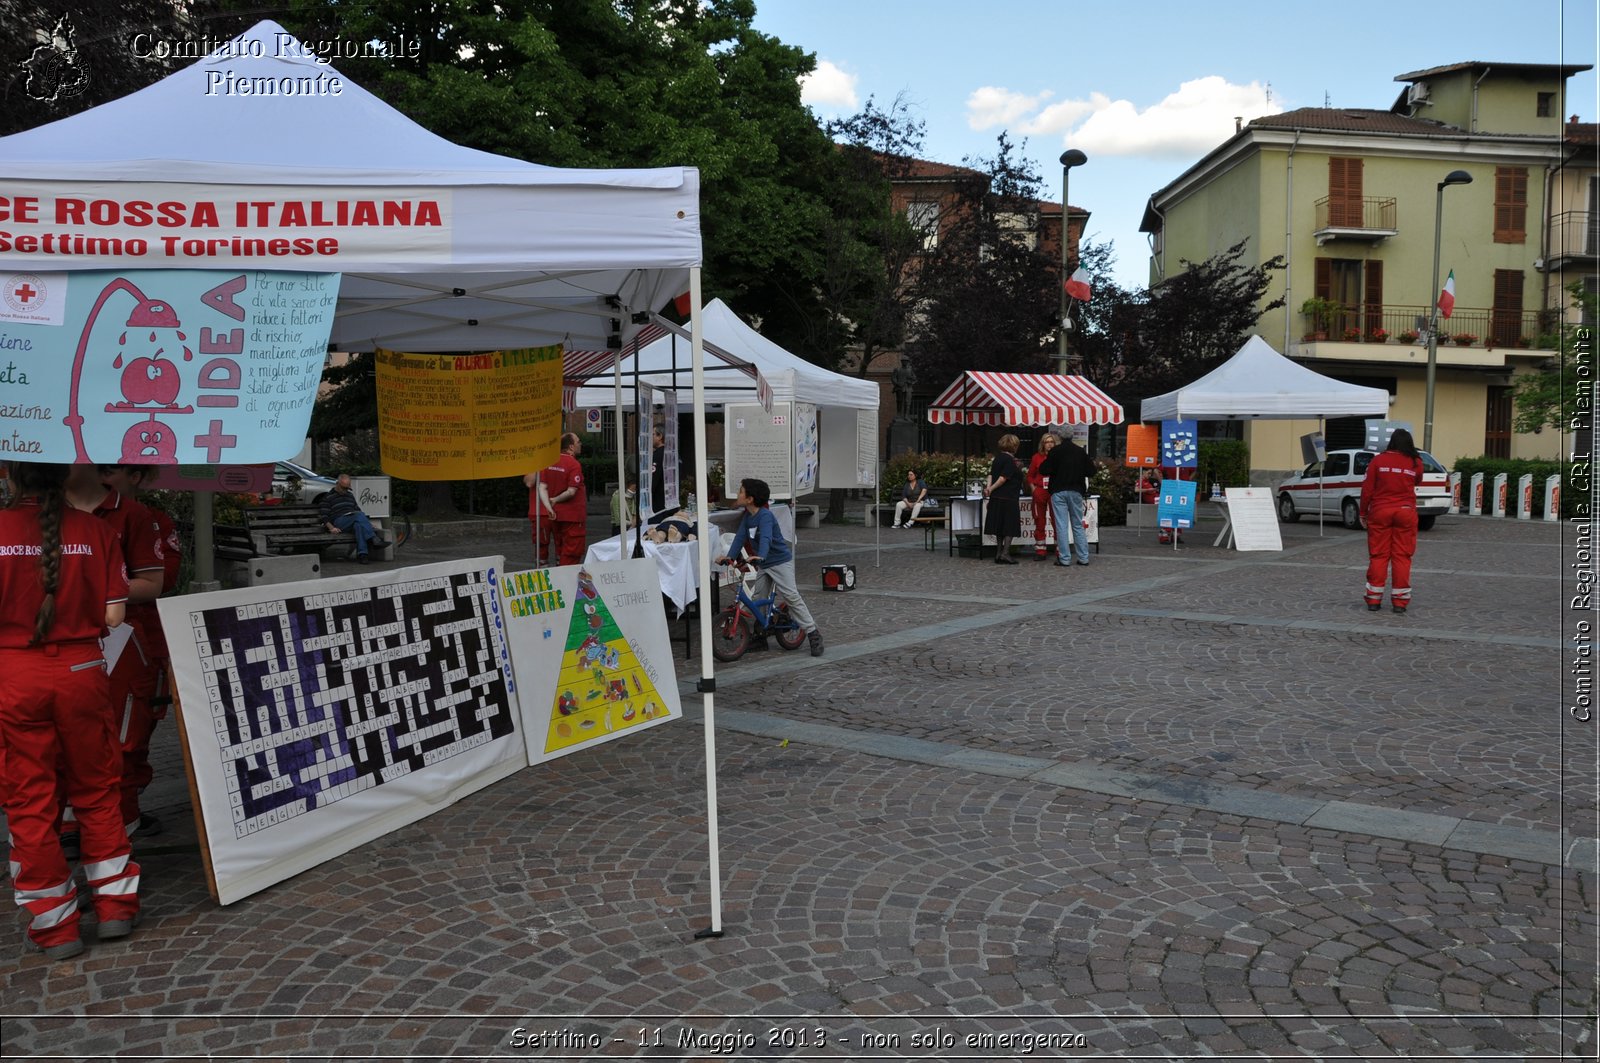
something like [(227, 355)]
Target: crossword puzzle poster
[(591, 652), (322, 715)]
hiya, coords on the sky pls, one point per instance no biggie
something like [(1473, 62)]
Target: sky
[(1145, 90)]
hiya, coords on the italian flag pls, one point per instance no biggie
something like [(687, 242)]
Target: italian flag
[(1447, 297), (1078, 284)]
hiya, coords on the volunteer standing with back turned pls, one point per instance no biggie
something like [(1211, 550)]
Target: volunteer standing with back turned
[(62, 584)]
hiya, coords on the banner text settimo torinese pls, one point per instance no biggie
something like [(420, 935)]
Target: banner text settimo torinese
[(169, 229)]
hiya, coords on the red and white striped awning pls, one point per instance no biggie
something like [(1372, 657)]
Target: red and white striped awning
[(1023, 399)]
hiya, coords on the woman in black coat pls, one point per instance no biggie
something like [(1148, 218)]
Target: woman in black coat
[(1004, 492)]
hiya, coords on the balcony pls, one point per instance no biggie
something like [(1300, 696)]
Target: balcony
[(1574, 239), (1368, 220), (1483, 328)]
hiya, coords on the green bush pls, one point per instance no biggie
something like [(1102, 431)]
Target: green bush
[(941, 472), (1515, 469), (1223, 461), (1113, 482)]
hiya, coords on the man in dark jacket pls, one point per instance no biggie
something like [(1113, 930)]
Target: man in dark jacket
[(340, 511), (1069, 469)]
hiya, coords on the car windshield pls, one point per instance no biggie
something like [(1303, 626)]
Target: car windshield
[(1429, 464)]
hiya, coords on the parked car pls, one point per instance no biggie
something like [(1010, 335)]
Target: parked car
[(1333, 487), (288, 477)]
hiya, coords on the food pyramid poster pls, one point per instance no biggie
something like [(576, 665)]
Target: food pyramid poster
[(591, 653)]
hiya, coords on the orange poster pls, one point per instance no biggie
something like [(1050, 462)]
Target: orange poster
[(1144, 445)]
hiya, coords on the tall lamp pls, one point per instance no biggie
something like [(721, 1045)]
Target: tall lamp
[(1454, 177), (1069, 158)]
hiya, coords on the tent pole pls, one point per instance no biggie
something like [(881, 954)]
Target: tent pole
[(708, 682), (622, 470), (1322, 475)]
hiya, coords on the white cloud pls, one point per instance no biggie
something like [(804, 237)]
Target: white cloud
[(829, 88), (1192, 120), (991, 106)]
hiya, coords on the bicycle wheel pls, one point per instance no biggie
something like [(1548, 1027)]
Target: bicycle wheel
[(402, 529), (730, 634), (791, 636)]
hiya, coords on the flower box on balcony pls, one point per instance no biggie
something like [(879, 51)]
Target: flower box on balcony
[(1378, 335), (1407, 337), (1352, 335), (1465, 339)]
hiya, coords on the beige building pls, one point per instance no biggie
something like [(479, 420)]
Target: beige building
[(1348, 198)]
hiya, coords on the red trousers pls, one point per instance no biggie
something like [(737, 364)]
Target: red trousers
[(55, 716), (1043, 517), (133, 687), (1391, 542), (570, 539)]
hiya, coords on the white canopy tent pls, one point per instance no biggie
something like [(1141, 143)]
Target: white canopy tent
[(1260, 383), (663, 365), (441, 247)]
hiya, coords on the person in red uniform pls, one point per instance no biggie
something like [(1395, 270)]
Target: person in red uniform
[(62, 584), (1040, 487), (556, 498), (1389, 510), (127, 480), (133, 679)]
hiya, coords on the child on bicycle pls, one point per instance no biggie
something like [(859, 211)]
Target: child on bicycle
[(762, 540)]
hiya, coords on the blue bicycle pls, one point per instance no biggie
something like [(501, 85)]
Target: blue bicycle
[(751, 618)]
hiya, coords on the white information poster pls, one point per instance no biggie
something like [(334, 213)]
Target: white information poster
[(644, 410), (321, 715), (669, 426), (1255, 521), (592, 655), (848, 442), (759, 444), (807, 448)]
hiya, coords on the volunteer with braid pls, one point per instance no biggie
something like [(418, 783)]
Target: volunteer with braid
[(62, 583)]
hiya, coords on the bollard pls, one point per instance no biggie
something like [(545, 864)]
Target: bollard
[(1475, 492), (1552, 498), (1455, 492), (1500, 494), (1525, 497)]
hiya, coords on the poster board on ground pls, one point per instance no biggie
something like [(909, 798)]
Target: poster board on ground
[(1254, 520), (761, 445), (322, 715), (848, 448), (591, 652)]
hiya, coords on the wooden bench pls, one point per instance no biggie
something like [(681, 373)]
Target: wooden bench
[(232, 542), (930, 526), (291, 528)]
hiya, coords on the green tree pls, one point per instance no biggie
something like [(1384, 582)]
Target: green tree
[(1549, 397), (986, 295)]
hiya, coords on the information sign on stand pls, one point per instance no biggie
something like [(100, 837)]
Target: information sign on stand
[(1175, 508), (1180, 445), (1254, 520)]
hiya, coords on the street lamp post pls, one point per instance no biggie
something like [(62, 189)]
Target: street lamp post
[(1454, 177), (1069, 158)]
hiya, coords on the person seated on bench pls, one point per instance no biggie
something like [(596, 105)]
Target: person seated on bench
[(340, 511), (914, 493)]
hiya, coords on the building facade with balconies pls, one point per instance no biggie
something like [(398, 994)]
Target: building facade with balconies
[(1347, 196)]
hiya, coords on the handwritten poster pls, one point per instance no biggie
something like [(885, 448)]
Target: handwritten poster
[(759, 445), (469, 416), (806, 448), (161, 367), (1144, 445), (670, 487), (1180, 444), (644, 445), (591, 653)]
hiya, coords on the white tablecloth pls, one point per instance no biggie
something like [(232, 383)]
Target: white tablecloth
[(678, 563)]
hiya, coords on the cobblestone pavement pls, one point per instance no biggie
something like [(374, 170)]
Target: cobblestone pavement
[(1177, 803)]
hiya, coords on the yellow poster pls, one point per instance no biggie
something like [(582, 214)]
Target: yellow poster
[(469, 416)]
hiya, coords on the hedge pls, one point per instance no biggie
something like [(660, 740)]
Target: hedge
[(1515, 469)]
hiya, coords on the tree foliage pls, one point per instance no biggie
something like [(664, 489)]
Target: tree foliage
[(986, 296), (1549, 397)]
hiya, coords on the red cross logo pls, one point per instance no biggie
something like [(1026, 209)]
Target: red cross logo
[(25, 293)]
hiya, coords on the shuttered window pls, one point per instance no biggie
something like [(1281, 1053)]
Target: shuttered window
[(1510, 204), (1344, 192), (1372, 307), (1505, 320)]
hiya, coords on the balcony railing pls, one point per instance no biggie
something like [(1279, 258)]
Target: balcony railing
[(1575, 234), (1486, 326), (1369, 218)]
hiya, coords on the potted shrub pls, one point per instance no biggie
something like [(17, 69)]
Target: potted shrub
[(1409, 336), (1378, 335), (1321, 313), (1524, 342), (1465, 339)]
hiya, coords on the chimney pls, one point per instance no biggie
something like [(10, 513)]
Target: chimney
[(1238, 123)]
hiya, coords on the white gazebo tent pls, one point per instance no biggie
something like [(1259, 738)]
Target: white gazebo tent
[(478, 252), (1258, 383)]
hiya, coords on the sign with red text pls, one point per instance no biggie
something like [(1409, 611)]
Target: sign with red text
[(139, 225), (162, 367)]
